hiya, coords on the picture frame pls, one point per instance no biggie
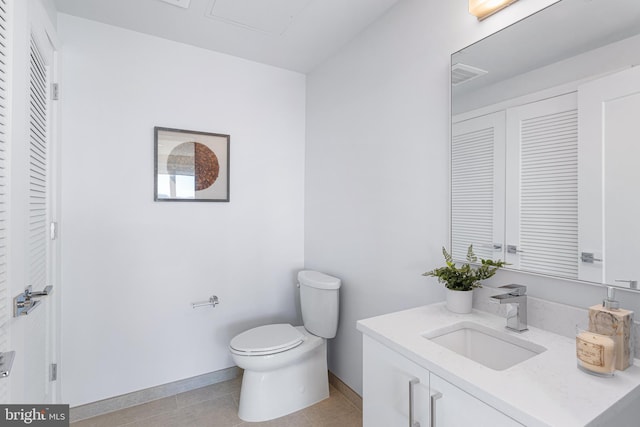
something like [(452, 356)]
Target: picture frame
[(190, 166)]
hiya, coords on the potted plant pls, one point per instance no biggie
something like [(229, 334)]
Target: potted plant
[(461, 280)]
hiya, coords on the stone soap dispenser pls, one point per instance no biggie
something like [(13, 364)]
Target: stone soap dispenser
[(610, 320)]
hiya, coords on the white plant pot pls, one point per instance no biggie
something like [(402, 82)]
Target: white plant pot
[(459, 301)]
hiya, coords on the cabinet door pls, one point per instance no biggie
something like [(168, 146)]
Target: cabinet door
[(542, 186), (387, 378), (453, 407), (609, 176), (477, 186)]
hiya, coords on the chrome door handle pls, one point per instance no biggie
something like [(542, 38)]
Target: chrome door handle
[(43, 293), (23, 304), (6, 363), (412, 422), (435, 395)]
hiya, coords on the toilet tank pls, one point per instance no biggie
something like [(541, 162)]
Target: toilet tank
[(319, 302)]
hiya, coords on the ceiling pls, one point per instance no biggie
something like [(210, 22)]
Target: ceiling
[(293, 34), (570, 27)]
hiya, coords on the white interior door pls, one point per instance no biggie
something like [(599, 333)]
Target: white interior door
[(477, 186), (609, 111), (39, 350), (32, 253), (621, 197), (542, 186), (5, 291)]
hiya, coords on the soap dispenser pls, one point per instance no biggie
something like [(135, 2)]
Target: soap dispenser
[(611, 320)]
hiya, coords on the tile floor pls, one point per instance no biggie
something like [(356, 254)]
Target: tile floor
[(217, 406)]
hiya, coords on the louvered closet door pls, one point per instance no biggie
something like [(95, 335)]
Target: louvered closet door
[(477, 186), (36, 323), (609, 197), (5, 297), (542, 187), (39, 325)]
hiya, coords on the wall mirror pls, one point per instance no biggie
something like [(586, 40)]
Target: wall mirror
[(545, 143)]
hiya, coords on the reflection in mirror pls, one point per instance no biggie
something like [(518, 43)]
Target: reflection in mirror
[(544, 163)]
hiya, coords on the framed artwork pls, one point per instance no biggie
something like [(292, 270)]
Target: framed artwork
[(191, 166)]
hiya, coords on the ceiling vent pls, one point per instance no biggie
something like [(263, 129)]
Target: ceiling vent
[(266, 16), (462, 73), (180, 3)]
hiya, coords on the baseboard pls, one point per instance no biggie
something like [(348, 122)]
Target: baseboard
[(135, 398), (347, 391)]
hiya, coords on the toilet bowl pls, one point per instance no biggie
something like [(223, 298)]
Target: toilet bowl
[(285, 367), (279, 383)]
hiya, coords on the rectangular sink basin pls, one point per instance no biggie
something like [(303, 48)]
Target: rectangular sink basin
[(489, 347)]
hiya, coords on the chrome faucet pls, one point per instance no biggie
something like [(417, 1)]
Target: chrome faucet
[(517, 295)]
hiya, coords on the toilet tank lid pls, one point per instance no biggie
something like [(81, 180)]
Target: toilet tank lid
[(315, 279)]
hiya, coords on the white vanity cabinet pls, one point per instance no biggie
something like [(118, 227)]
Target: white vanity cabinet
[(432, 402), (454, 407), (457, 391), (387, 379)]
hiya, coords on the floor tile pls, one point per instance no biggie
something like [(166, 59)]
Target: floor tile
[(208, 393), (297, 419), (217, 406), (331, 410), (218, 412), (129, 415)]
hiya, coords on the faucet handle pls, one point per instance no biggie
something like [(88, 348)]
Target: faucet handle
[(515, 290)]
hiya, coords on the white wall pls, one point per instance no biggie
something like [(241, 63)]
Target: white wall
[(132, 266), (377, 163)]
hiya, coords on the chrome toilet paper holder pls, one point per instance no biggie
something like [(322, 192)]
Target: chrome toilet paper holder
[(213, 301)]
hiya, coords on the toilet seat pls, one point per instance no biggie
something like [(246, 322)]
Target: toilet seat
[(268, 339)]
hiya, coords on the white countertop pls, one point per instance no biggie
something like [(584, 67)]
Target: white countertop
[(546, 390)]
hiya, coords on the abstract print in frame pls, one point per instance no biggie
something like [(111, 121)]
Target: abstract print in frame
[(191, 166)]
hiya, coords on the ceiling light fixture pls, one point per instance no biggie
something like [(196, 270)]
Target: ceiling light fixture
[(482, 9)]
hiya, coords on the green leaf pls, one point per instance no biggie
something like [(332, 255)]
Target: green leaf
[(465, 277)]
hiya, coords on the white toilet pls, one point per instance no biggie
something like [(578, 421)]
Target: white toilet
[(285, 367)]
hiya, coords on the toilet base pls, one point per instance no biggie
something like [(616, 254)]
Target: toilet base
[(273, 394)]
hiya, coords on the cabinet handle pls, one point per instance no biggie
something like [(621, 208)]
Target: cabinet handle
[(633, 284), (589, 257), (412, 423), (513, 249), (435, 395)]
